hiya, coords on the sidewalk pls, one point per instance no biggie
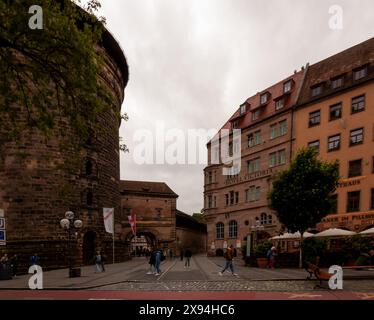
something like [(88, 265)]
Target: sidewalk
[(59, 280)]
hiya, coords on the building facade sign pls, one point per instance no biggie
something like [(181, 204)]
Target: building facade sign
[(353, 221), (249, 177), (349, 182)]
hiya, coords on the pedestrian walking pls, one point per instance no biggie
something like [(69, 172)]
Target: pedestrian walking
[(152, 262), (187, 254), (171, 254), (103, 260), (272, 253), (182, 254), (98, 262), (34, 260), (228, 261), (4, 259), (14, 262), (158, 257)]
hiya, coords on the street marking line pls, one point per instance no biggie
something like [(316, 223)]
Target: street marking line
[(166, 271)]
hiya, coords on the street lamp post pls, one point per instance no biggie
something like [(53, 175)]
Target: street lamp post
[(69, 224)]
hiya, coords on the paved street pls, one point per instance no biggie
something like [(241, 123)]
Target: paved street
[(201, 277)]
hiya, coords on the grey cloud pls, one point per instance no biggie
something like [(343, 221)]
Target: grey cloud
[(193, 62)]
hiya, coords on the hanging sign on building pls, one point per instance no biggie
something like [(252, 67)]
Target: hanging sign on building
[(2, 228)]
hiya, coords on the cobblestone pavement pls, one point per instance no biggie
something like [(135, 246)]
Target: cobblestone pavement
[(237, 285), (201, 275)]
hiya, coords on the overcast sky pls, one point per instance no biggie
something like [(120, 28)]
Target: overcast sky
[(193, 62)]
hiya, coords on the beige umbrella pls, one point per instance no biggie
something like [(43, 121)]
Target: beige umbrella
[(334, 232), (368, 231), (295, 235)]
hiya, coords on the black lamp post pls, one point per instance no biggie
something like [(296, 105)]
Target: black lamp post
[(71, 225)]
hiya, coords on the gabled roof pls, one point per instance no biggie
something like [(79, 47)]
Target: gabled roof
[(146, 188), (275, 93), (339, 64)]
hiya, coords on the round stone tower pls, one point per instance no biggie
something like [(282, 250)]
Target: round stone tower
[(35, 193)]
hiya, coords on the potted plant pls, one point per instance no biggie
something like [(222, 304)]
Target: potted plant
[(261, 251)]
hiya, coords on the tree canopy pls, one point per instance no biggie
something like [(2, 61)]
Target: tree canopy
[(302, 194), (52, 72)]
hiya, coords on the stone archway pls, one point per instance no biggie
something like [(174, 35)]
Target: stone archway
[(89, 245), (146, 239)]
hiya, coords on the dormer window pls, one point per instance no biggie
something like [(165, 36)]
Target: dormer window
[(316, 90), (235, 124), (359, 73), (279, 104), (287, 86), (264, 98), (243, 109), (255, 115), (337, 82)]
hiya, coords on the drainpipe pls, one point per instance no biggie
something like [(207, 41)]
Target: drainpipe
[(294, 107)]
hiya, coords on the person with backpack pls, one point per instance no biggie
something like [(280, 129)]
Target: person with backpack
[(228, 261)]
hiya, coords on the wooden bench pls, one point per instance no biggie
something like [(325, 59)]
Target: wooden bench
[(358, 267), (312, 269)]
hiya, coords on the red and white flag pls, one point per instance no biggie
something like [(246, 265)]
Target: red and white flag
[(108, 214), (132, 221)]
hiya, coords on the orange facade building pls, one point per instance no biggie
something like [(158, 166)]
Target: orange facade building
[(236, 203), (336, 115), (329, 106)]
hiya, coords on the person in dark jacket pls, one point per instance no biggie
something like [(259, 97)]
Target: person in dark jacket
[(152, 262), (188, 255), (14, 265), (34, 260)]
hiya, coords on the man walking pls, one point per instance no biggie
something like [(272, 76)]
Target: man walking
[(158, 255), (187, 255), (228, 262)]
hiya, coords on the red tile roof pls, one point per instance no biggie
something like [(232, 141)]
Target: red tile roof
[(146, 187), (276, 92), (336, 65)]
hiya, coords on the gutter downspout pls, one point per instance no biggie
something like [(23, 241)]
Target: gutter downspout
[(294, 107)]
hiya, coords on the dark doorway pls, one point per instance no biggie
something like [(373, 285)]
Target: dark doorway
[(89, 247)]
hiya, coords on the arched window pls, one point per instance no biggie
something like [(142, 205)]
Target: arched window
[(220, 230), (264, 218), (233, 229)]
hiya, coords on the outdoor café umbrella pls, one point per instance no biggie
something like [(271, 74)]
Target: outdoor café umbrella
[(334, 232), (295, 235), (368, 231)]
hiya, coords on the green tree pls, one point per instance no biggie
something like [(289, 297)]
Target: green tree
[(302, 194), (51, 73)]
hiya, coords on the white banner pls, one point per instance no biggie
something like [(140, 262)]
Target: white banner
[(108, 214)]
